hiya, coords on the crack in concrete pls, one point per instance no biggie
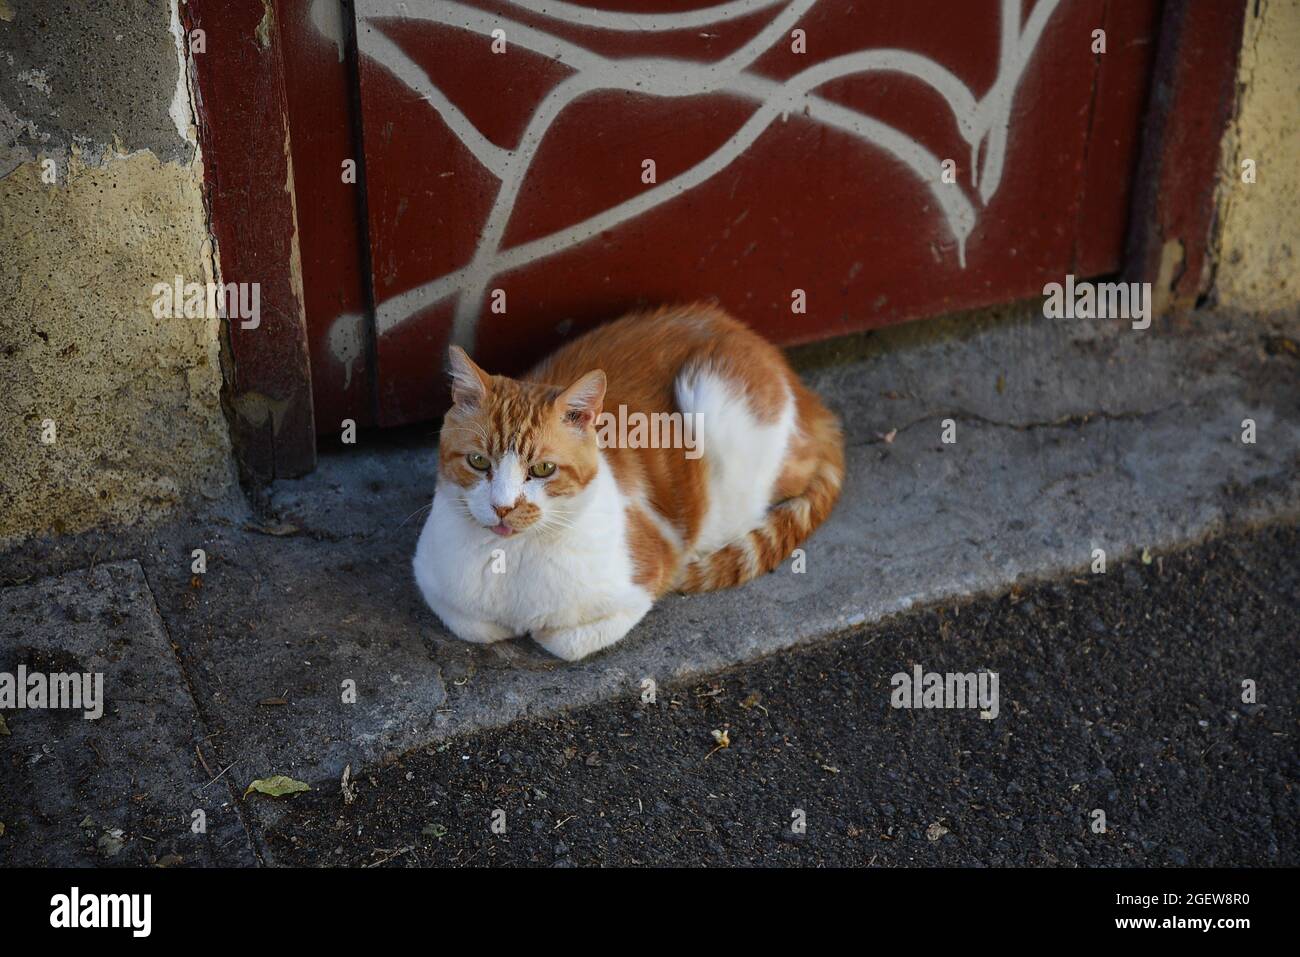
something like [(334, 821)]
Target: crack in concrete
[(231, 789), (1073, 420)]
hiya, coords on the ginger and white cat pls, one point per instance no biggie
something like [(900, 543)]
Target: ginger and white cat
[(537, 529)]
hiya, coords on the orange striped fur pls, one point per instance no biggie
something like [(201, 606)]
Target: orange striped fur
[(641, 356)]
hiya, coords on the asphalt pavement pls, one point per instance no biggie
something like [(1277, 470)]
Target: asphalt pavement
[(1146, 716)]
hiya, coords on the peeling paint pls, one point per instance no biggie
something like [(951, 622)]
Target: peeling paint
[(264, 28), (295, 248), (1173, 260), (13, 130), (111, 74), (182, 106)]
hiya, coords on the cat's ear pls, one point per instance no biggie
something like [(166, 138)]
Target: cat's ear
[(469, 383), (580, 403)]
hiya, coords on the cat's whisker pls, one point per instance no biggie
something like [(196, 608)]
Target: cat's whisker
[(422, 508), (557, 520)]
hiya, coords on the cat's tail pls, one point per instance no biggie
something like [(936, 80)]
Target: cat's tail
[(788, 522)]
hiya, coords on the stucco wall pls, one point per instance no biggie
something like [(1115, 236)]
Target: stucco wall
[(1259, 223), (135, 401)]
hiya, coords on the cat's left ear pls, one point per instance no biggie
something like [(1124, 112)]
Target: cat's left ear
[(469, 383), (580, 403)]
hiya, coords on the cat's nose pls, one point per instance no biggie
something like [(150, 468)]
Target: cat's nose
[(503, 510)]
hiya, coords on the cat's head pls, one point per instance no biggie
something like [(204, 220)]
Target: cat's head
[(518, 454)]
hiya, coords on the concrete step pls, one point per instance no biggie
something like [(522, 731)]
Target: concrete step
[(1069, 437)]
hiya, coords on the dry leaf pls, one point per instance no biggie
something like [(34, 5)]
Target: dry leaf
[(277, 786), (722, 738), (111, 842), (935, 831)]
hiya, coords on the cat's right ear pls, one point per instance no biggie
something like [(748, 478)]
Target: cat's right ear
[(469, 383)]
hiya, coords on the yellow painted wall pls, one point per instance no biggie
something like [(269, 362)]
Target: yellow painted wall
[(1259, 223), (135, 400)]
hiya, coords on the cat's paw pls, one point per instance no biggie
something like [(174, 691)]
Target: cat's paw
[(573, 644), (478, 632)]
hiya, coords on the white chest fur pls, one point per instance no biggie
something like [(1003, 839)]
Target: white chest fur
[(486, 588)]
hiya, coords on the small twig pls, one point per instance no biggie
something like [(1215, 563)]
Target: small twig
[(219, 776), (390, 854), (90, 572), (202, 761)]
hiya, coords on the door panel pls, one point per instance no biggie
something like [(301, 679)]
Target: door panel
[(798, 151)]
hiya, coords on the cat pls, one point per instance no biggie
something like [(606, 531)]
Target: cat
[(536, 528)]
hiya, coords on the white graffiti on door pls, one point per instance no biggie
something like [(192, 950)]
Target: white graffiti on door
[(983, 123)]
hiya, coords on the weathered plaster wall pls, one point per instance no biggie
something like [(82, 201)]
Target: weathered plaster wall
[(98, 89), (1259, 223)]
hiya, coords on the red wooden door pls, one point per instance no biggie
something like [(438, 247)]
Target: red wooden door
[(532, 168)]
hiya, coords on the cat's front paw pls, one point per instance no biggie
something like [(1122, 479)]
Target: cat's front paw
[(573, 644), (469, 629)]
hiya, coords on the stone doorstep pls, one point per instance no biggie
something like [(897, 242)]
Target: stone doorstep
[(1066, 441)]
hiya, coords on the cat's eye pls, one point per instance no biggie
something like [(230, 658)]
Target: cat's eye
[(477, 460), (542, 470)]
